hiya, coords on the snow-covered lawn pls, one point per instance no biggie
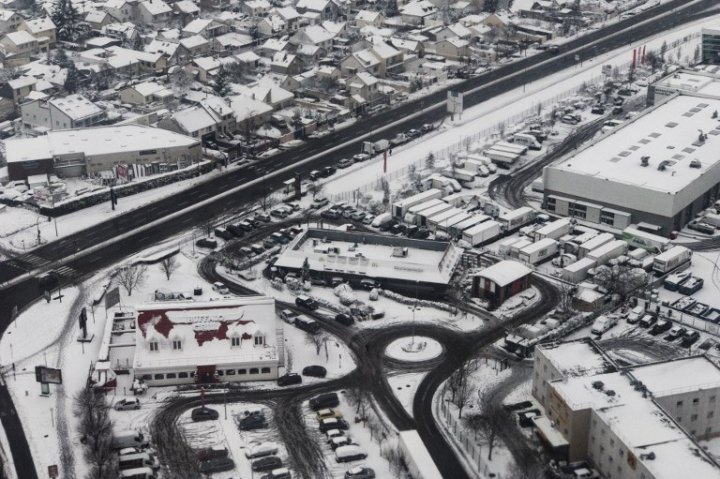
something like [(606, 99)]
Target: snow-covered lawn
[(405, 386)]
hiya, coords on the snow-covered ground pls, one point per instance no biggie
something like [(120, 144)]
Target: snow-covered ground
[(414, 349), (405, 386)]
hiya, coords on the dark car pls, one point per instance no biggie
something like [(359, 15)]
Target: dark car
[(660, 327), (306, 302), (267, 463), (411, 230), (344, 319), (204, 414), (675, 333), (421, 233), (206, 243), (328, 171), (702, 227), (333, 423), (398, 228), (360, 473), (218, 464), (289, 379), (330, 214), (518, 406), (314, 371), (236, 231), (617, 110), (315, 175), (224, 234), (254, 421), (387, 226), (690, 339), (598, 110), (324, 401), (369, 284)]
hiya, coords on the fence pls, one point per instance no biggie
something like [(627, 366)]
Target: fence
[(468, 443)]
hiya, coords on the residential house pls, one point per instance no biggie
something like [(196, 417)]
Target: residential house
[(18, 88), (362, 61), (323, 9), (280, 20), (187, 10), (411, 47), (9, 21), (43, 29), (313, 35), (249, 59), (286, 63), (363, 84), (453, 48), (97, 19), (126, 32), (456, 30), (194, 121), (72, 111), (121, 10), (169, 50), (267, 92), (145, 93), (218, 108), (207, 67), (498, 19), (256, 8), (229, 43), (154, 13), (207, 27), (365, 18), (193, 46), (271, 46), (20, 43), (249, 112), (391, 59), (415, 13), (310, 54)]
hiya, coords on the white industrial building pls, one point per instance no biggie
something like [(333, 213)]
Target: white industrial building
[(89, 151), (203, 342), (660, 168), (638, 422)]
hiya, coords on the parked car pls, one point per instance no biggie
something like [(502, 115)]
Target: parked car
[(369, 284), (218, 464), (344, 319), (306, 302), (204, 414), (357, 216), (334, 433), (261, 450), (328, 171), (569, 120), (220, 288), (660, 327), (127, 404), (266, 463), (315, 175), (360, 157), (253, 421), (324, 401), (702, 227), (345, 163), (262, 216), (339, 441), (314, 371), (427, 128), (223, 233), (598, 110), (279, 473), (330, 214), (236, 231), (360, 473), (349, 453), (333, 423), (689, 339), (368, 219), (206, 243), (617, 110), (319, 202), (647, 321), (210, 453), (635, 314), (413, 133), (289, 379), (328, 413), (675, 333), (397, 228)]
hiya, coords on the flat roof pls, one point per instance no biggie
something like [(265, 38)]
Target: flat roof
[(678, 376), (668, 134), (372, 255), (94, 142), (505, 272), (581, 357)]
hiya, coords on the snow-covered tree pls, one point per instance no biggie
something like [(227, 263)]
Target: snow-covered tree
[(72, 81), (222, 82), (69, 23)]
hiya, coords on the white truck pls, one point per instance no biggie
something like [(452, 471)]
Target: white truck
[(503, 159), (399, 208), (647, 241), (671, 259), (538, 251), (375, 147), (528, 140), (578, 271), (594, 243), (381, 220), (555, 229), (482, 233), (515, 219), (608, 251)]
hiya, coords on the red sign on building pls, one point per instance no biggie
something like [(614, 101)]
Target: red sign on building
[(53, 471)]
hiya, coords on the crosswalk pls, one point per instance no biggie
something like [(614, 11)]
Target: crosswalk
[(65, 271)]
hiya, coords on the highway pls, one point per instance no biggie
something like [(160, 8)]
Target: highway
[(345, 142)]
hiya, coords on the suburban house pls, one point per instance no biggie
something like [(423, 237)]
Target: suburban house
[(72, 111)]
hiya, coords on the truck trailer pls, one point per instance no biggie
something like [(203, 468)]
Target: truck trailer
[(671, 259), (578, 271), (608, 251), (482, 233), (516, 219), (555, 229), (539, 251)]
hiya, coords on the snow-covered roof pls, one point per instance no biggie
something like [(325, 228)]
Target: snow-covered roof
[(20, 37), (197, 25), (6, 15), (287, 13), (187, 6), (234, 39), (367, 16), (265, 91), (421, 8), (314, 5), (374, 256), (205, 330), (283, 59), (148, 88), (39, 25), (275, 44), (93, 142), (457, 42), (384, 51), (317, 34), (366, 78), (333, 27), (245, 107), (160, 46), (672, 377), (366, 58), (666, 135), (581, 357), (247, 57), (193, 41), (76, 106), (21, 82), (156, 7), (194, 119), (505, 272)]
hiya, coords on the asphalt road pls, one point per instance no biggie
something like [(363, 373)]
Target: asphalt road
[(23, 293)]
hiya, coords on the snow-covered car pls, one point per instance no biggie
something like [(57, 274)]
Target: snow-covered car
[(349, 453), (127, 404), (344, 163), (220, 288), (261, 450), (266, 463), (328, 413), (360, 157), (360, 473), (203, 414)]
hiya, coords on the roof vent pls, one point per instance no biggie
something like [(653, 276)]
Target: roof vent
[(663, 164), (599, 385), (610, 392), (644, 161), (695, 164)]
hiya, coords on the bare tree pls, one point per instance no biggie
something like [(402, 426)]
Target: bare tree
[(315, 188), (525, 468), (488, 423), (168, 266), (461, 386), (317, 340), (359, 397), (95, 428), (131, 277), (620, 279)]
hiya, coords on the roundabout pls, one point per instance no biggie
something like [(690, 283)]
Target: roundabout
[(414, 349)]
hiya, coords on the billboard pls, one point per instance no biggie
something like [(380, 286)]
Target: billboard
[(112, 297), (44, 374), (455, 102)]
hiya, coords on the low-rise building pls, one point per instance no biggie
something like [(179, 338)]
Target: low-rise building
[(500, 281), (182, 342), (72, 111), (88, 151)]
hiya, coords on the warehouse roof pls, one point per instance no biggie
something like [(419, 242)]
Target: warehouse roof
[(668, 137), (505, 272), (93, 142)]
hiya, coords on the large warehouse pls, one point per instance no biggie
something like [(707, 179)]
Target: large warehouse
[(405, 265), (661, 168), (89, 151)]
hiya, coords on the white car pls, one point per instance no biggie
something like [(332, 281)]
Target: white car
[(127, 404), (220, 288)]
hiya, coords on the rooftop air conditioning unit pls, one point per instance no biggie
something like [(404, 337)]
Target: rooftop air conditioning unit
[(695, 164), (663, 165), (644, 161)]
